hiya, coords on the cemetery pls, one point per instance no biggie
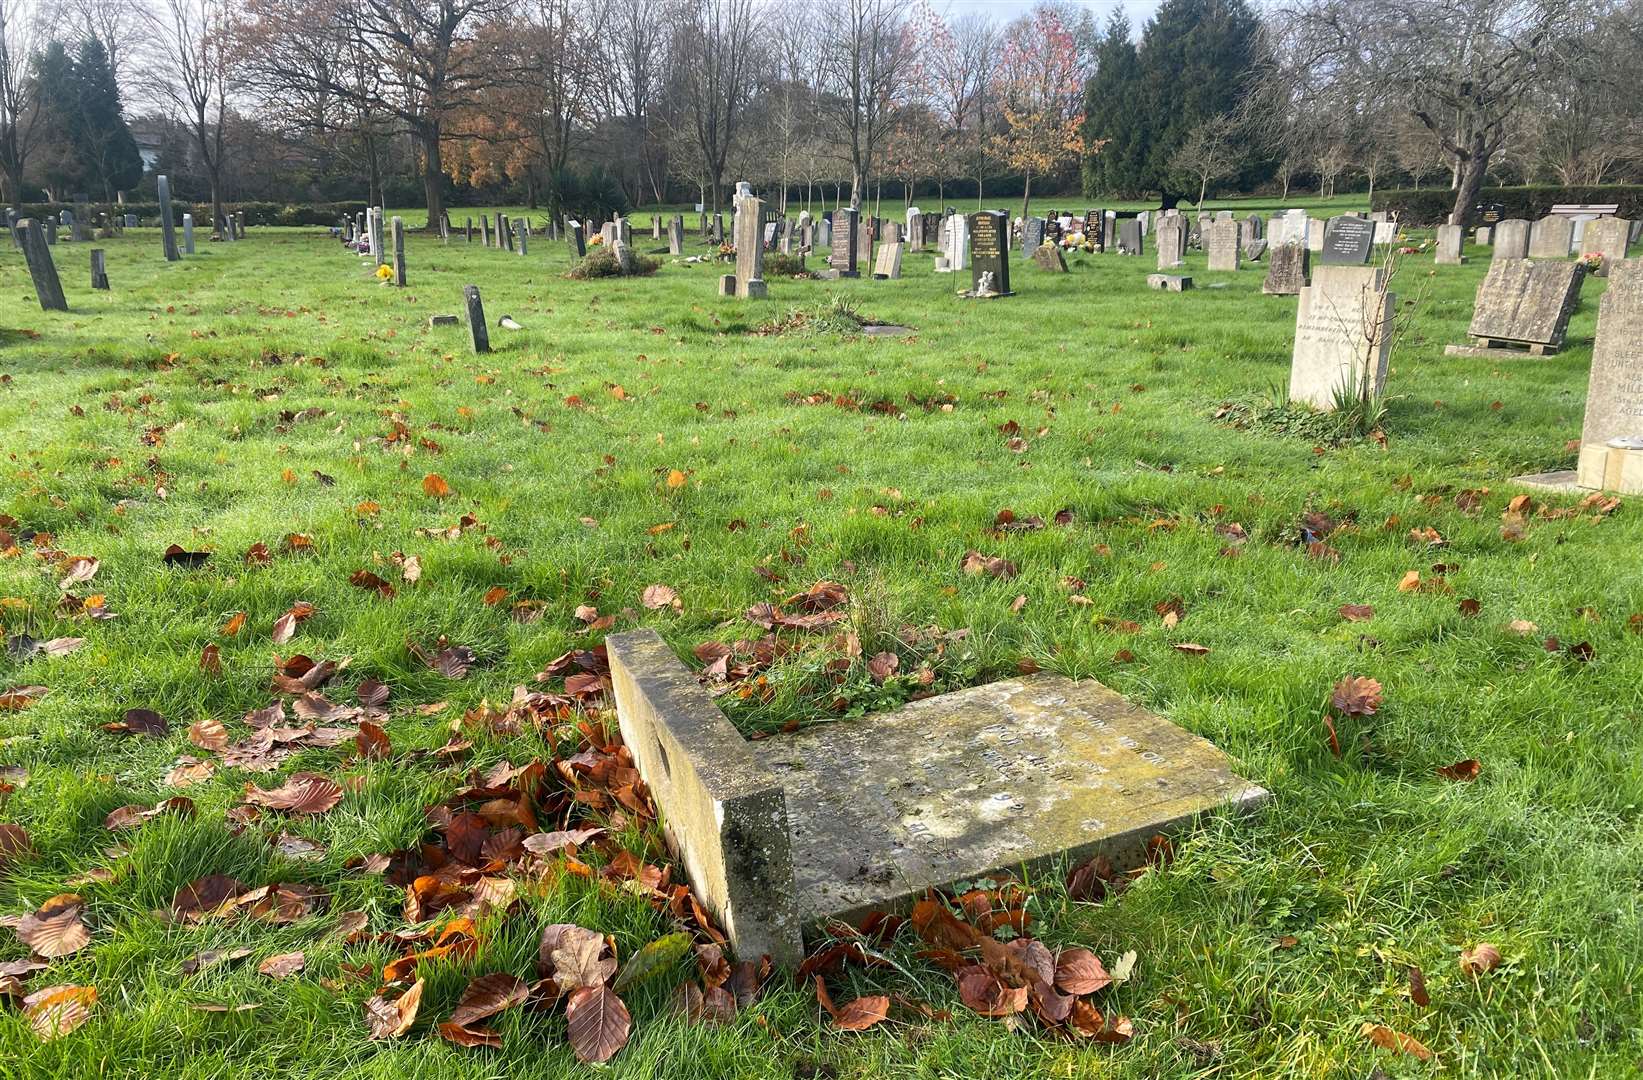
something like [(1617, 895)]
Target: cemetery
[(1072, 626)]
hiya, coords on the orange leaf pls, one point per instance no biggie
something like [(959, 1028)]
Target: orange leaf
[(434, 486)]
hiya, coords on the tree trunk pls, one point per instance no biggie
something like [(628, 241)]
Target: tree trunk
[(1203, 186), (216, 198), (1471, 182), (1026, 194), (433, 179)]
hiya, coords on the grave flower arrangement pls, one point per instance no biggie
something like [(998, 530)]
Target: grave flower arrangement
[(595, 241), (1593, 260), (384, 272)]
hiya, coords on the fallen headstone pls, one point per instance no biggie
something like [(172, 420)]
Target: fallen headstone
[(1523, 306)]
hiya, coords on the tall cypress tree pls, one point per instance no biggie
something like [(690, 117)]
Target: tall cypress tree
[(108, 153), (55, 163), (1195, 60), (1112, 118)]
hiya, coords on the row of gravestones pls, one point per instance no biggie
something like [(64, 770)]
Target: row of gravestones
[(1606, 239)]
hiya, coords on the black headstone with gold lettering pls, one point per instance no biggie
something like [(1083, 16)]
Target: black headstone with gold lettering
[(989, 253)]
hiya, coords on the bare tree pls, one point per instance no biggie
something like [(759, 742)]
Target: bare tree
[(111, 22), (636, 39), (1465, 67), (713, 41), (1214, 150), (187, 72), (865, 63), (19, 111)]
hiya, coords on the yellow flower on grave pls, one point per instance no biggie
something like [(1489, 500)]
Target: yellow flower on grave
[(595, 241), (384, 272)]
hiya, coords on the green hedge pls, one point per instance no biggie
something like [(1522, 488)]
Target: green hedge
[(1431, 207), (256, 213)]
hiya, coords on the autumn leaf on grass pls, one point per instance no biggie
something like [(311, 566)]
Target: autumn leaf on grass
[(657, 597), (57, 1010), (862, 1013), (208, 734), (1479, 959), (984, 992), (598, 1023), (14, 843), (371, 741), (390, 1018), (21, 697), (883, 665), (435, 487), (1357, 612), (1191, 648), (364, 579), (1462, 770), (1079, 971), (1396, 1041), (56, 929), (177, 555), (302, 793), (1357, 696), (139, 722), (282, 965), (652, 959), (974, 562), (577, 956), (77, 569), (485, 997)]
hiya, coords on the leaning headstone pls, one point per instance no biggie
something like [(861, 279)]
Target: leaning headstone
[(1343, 331), (188, 234), (845, 235), (1511, 239), (168, 235), (99, 269), (656, 226), (1049, 257), (1169, 282), (1286, 269), (887, 263), (1221, 242), (573, 237), (398, 236), (1171, 238), (1451, 241), (1607, 238), (1611, 439), (989, 254), (477, 331), (676, 235), (1522, 304), (782, 837), (484, 230), (1348, 241), (42, 270), (1551, 237)]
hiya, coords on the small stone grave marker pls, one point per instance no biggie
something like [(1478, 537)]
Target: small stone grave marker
[(478, 332), (1169, 282), (1551, 237), (1343, 331), (1511, 239), (1129, 237), (781, 837), (1221, 242), (1286, 269), (1049, 257), (99, 269), (1347, 241), (397, 231), (750, 284), (1451, 241)]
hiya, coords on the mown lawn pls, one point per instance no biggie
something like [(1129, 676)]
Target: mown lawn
[(639, 432)]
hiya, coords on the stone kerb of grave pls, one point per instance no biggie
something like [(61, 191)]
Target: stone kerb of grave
[(782, 836)]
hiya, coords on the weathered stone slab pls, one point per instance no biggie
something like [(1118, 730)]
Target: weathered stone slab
[(168, 235), (1609, 238), (750, 284), (1020, 773), (1171, 239), (1558, 481), (1511, 239), (1343, 331), (1451, 242), (1614, 395), (1130, 241), (1526, 301), (724, 811), (1551, 237), (1169, 282), (783, 836), (1286, 269), (1221, 244), (887, 263), (1049, 257)]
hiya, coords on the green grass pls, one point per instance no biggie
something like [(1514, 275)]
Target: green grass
[(1370, 861)]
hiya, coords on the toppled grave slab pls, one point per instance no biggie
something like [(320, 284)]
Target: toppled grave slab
[(784, 835)]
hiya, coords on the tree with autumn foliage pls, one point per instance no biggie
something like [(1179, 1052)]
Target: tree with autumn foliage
[(1039, 87)]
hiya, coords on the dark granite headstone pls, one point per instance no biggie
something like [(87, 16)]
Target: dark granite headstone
[(989, 253), (846, 236), (42, 270), (1129, 237), (1348, 241)]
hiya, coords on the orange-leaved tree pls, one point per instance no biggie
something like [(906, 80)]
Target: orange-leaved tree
[(1039, 86)]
